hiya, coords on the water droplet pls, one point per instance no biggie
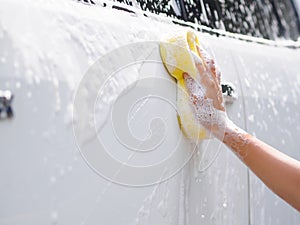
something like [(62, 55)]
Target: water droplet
[(29, 72), (53, 179), (18, 84), (61, 172), (90, 62), (37, 80), (16, 65), (54, 217), (55, 82), (198, 180), (29, 94), (247, 83), (251, 118), (70, 168)]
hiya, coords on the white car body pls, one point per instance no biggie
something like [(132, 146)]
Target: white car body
[(45, 50)]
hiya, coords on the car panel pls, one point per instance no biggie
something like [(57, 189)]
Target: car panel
[(270, 83)]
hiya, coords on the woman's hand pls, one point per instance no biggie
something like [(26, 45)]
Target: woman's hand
[(206, 94)]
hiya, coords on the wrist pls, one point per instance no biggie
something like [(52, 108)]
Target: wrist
[(220, 131), (237, 140)]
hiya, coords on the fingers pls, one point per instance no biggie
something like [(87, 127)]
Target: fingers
[(191, 84), (199, 65), (194, 88), (198, 94), (210, 65), (210, 78), (208, 86)]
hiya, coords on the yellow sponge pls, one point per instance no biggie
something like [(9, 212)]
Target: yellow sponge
[(176, 53)]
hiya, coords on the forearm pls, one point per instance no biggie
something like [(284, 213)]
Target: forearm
[(278, 171)]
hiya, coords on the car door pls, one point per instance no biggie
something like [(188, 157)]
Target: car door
[(270, 84)]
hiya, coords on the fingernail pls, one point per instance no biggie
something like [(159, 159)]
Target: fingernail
[(185, 75)]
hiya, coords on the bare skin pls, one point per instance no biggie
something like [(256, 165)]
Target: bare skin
[(278, 171)]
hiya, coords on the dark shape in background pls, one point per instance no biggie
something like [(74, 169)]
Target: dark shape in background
[(270, 19)]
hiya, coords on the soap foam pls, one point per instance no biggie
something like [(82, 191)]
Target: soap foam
[(214, 120), (205, 113), (238, 140)]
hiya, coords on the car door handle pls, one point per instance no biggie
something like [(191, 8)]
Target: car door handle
[(229, 92), (6, 98)]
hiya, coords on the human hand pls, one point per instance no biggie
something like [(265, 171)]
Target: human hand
[(206, 94)]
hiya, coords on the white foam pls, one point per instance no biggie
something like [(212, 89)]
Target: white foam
[(205, 112)]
